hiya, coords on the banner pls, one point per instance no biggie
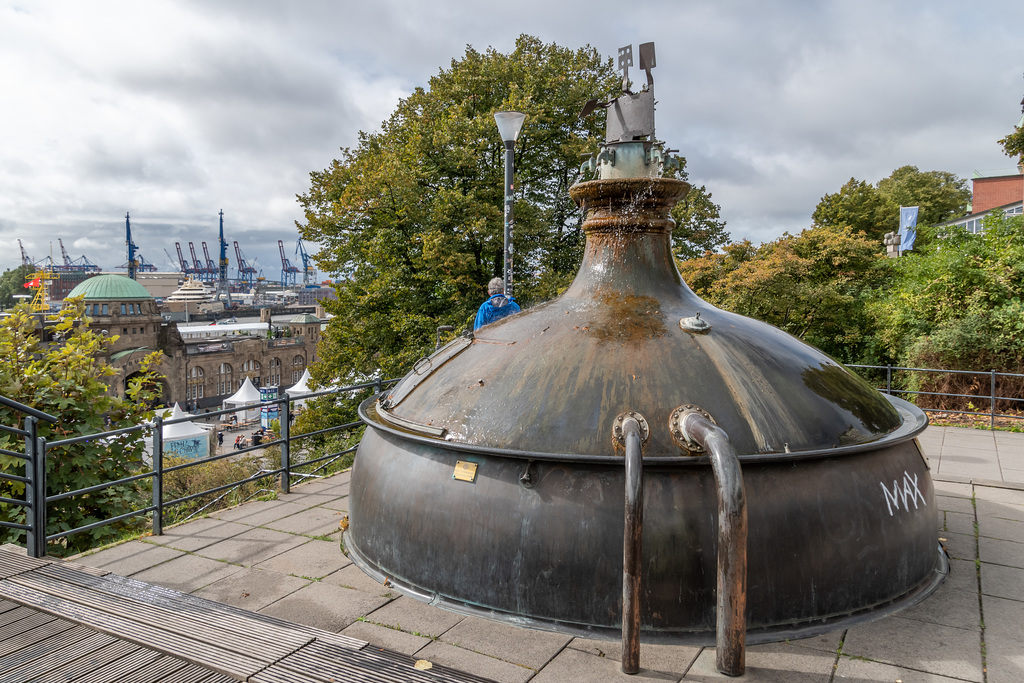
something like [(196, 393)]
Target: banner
[(908, 223)]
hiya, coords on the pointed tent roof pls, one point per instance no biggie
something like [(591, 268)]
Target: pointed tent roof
[(180, 430), (302, 386), (247, 393)]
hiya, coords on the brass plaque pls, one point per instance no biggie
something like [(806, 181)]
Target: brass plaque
[(465, 471)]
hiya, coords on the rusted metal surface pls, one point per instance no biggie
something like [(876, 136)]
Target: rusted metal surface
[(839, 502)]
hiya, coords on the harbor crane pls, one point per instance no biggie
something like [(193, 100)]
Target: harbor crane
[(288, 271), (211, 266), (182, 263), (197, 266), (246, 271), (26, 260), (308, 269)]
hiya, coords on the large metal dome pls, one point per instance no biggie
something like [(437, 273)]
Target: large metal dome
[(110, 287)]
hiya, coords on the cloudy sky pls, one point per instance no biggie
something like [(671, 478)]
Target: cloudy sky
[(176, 110)]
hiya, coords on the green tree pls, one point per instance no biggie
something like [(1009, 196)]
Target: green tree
[(812, 285), (959, 302), (67, 379), (874, 210), (12, 282), (410, 219), (699, 226)]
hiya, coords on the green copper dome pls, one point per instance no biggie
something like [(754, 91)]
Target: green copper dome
[(110, 288)]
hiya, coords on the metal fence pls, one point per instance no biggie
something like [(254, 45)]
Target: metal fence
[(36, 448), (991, 397)]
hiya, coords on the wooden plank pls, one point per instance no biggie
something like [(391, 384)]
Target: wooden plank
[(51, 627), (37, 666), (118, 670), (42, 647), (208, 610), (157, 670), (13, 621), (12, 564), (193, 674), (194, 650), (75, 669), (324, 662), (227, 635)]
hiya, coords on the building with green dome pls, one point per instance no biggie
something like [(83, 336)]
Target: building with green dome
[(207, 363)]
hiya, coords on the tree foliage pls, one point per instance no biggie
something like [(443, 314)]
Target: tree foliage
[(810, 285), (959, 302), (410, 220), (67, 379), (12, 282), (875, 210)]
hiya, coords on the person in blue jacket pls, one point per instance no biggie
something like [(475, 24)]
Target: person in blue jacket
[(497, 306)]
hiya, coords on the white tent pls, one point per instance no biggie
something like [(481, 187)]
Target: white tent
[(300, 388), (246, 395), (184, 439)]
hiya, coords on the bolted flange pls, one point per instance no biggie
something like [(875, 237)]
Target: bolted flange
[(675, 427), (645, 429)]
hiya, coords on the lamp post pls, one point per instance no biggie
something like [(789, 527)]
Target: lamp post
[(509, 125)]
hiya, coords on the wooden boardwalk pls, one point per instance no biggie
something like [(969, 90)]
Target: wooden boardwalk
[(65, 622)]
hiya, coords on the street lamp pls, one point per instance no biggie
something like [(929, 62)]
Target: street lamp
[(509, 125)]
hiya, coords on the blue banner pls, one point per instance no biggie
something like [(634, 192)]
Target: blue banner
[(908, 223)]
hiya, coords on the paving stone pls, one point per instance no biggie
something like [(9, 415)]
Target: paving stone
[(415, 617), (771, 663), (957, 523), (522, 646), (313, 559), (324, 606), (963, 576), (865, 671), (948, 606), (188, 573), (308, 500), (1003, 618), (577, 666), (1002, 582), (1004, 659), (996, 551), (389, 638), (353, 577), (664, 658), (316, 521), (955, 504), (474, 663), (972, 470), (988, 509), (129, 558), (1003, 529), (197, 534), (339, 504), (1013, 475), (960, 546), (252, 589), (262, 512), (952, 489), (995, 494), (253, 546), (917, 645)]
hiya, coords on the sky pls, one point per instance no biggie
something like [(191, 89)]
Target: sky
[(174, 111)]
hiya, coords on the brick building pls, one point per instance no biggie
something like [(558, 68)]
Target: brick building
[(202, 371)]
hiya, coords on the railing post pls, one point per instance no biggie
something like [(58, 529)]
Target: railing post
[(35, 490), (888, 378), (286, 451), (158, 475), (378, 384), (632, 547), (993, 386)]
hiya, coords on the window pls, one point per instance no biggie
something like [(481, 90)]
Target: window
[(124, 309), (224, 384), (196, 384), (134, 330), (274, 376), (124, 330), (106, 309)]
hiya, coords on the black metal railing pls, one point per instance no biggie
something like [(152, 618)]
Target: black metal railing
[(36, 448), (891, 386)]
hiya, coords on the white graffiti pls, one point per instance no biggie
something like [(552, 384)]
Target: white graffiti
[(906, 494)]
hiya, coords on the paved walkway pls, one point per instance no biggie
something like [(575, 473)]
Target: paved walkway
[(282, 558)]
